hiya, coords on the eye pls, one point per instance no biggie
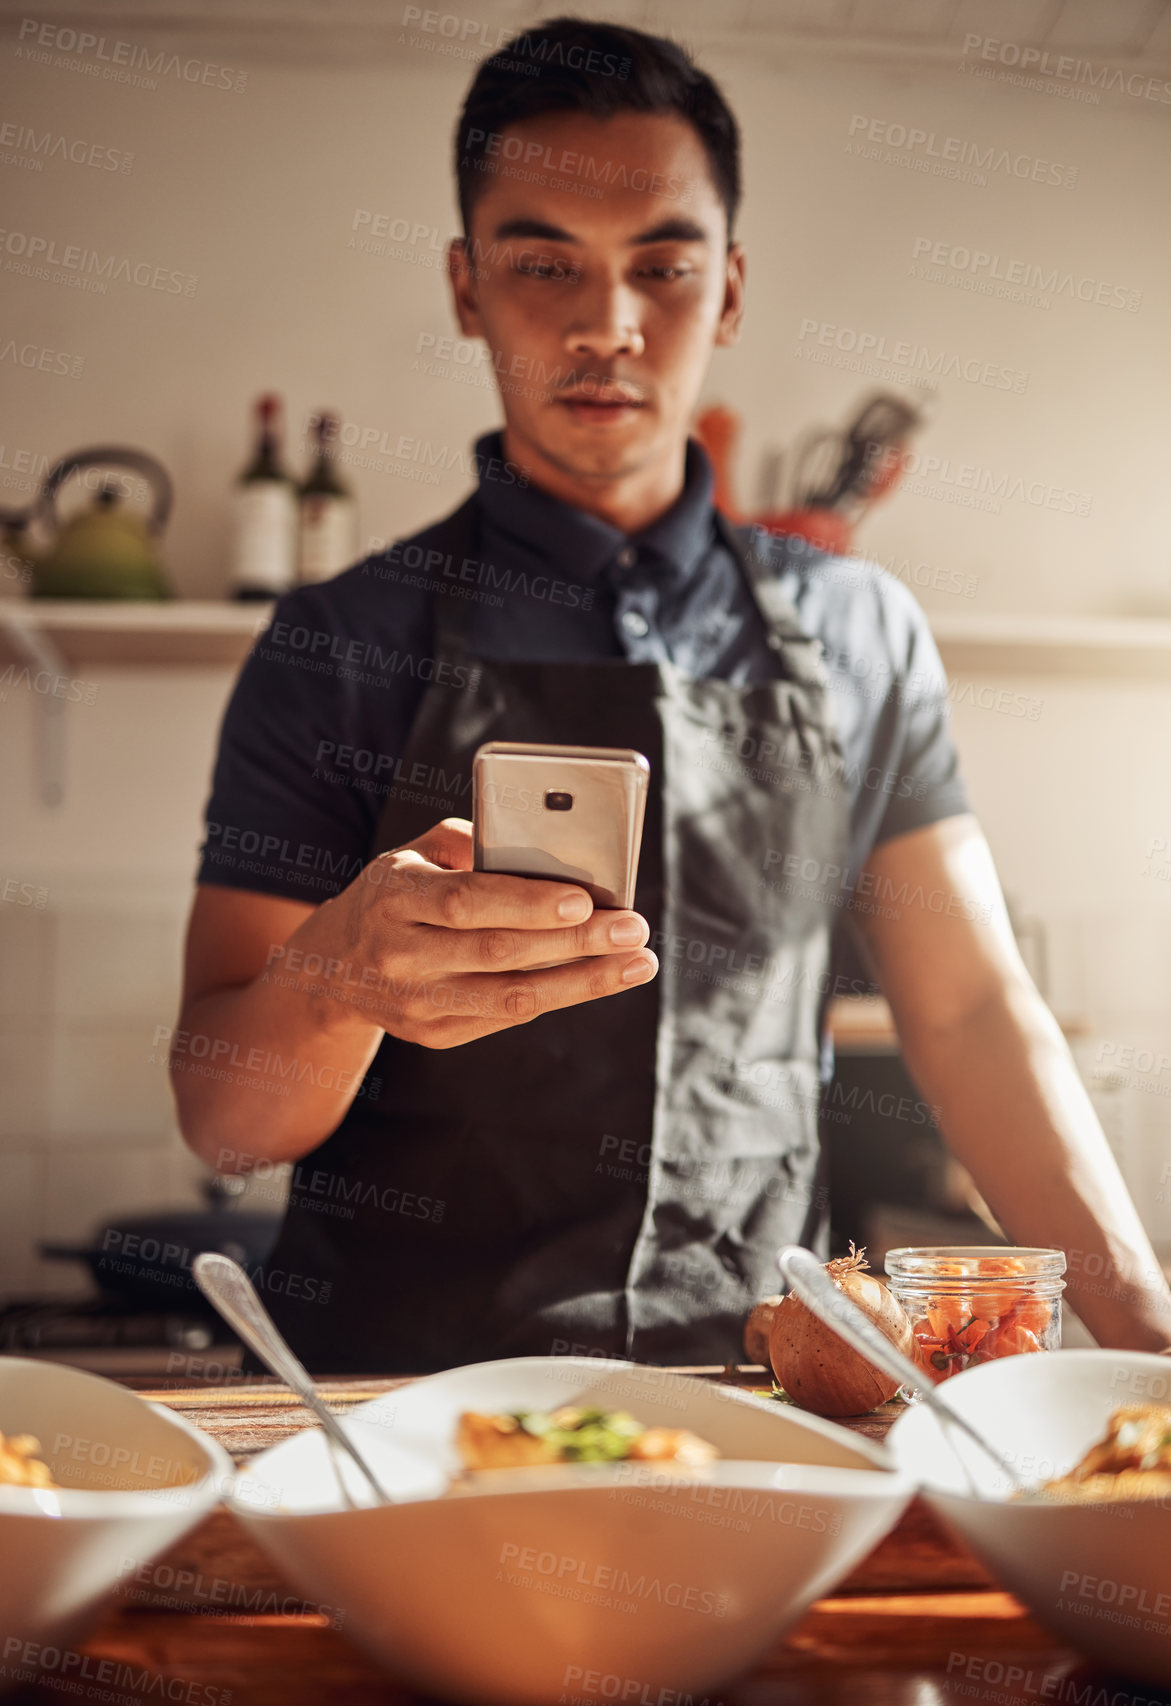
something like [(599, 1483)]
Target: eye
[(665, 271), (545, 266)]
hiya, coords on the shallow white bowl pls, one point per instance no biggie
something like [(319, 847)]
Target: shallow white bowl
[(1099, 1576), (550, 1584), (117, 1459)]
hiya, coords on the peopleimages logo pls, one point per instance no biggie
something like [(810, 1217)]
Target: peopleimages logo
[(71, 263), (35, 356), (32, 148), (917, 358), (83, 1673), (1035, 64), (950, 156), (117, 61), (923, 472), (988, 267), (450, 32)]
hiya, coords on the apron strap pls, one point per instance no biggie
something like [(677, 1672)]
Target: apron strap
[(457, 538), (762, 557)]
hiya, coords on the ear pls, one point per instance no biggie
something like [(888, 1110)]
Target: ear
[(732, 313), (461, 274)]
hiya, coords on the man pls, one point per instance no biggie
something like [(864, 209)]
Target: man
[(508, 1135)]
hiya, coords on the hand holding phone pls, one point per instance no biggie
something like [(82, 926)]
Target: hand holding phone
[(573, 814), (455, 954)]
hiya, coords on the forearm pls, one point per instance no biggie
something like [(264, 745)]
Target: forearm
[(269, 1069), (1015, 1112)]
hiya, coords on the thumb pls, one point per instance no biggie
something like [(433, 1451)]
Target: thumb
[(448, 844)]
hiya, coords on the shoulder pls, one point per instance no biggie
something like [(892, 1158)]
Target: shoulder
[(390, 589), (866, 618)]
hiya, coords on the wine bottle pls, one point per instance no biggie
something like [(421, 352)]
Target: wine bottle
[(264, 514), (328, 515)]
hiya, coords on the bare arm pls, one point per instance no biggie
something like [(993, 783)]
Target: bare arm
[(984, 1049), (285, 1005)]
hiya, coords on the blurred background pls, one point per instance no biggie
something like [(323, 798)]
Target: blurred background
[(957, 203)]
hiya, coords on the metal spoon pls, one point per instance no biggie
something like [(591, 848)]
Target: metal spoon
[(807, 1277), (225, 1284)]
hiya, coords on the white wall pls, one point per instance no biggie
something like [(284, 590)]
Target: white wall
[(255, 195)]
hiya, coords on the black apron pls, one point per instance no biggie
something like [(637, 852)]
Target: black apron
[(614, 1178)]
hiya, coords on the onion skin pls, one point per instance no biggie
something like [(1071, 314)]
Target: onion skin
[(757, 1329), (817, 1369)]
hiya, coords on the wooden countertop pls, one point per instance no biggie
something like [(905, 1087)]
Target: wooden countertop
[(918, 1623)]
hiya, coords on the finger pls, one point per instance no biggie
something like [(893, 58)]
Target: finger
[(484, 900), (497, 1002), (449, 844), (455, 952)]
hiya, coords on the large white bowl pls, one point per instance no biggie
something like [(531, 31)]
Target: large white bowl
[(611, 1581), (1100, 1576), (134, 1478)]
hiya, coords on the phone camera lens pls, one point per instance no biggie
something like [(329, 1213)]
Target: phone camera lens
[(557, 802)]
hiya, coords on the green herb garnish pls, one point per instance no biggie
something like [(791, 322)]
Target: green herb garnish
[(583, 1436)]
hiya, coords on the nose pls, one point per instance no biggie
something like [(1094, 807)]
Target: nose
[(605, 324)]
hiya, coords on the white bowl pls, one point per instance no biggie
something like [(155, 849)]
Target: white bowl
[(134, 1478), (1099, 1576), (586, 1580)]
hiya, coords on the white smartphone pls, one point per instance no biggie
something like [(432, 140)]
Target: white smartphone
[(570, 813)]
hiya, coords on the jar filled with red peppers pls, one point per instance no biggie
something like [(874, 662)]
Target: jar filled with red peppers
[(975, 1303)]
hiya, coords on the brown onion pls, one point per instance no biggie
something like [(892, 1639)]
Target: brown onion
[(757, 1329), (818, 1370)]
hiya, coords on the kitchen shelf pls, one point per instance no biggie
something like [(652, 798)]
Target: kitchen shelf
[(864, 1024), (81, 631), (58, 636), (190, 631), (1130, 647)]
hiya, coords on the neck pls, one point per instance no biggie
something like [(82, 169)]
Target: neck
[(630, 502)]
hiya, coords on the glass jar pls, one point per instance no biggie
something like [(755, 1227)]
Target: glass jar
[(972, 1303)]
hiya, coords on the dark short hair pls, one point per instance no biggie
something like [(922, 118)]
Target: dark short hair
[(575, 65)]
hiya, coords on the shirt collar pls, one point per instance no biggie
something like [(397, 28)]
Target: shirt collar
[(584, 544)]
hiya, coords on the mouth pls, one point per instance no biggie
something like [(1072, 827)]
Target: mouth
[(601, 407)]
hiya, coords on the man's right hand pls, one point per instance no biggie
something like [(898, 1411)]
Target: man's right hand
[(439, 954), (285, 1003)]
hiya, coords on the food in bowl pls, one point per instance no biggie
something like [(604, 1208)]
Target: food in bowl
[(572, 1434), (787, 1508), (133, 1478), (20, 1464), (1096, 1572), (1131, 1461)]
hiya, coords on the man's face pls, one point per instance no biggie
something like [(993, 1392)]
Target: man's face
[(601, 285)]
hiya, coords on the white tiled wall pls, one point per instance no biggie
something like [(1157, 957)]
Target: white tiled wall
[(87, 1126)]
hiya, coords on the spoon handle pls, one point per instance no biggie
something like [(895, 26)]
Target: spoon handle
[(807, 1277), (225, 1284)]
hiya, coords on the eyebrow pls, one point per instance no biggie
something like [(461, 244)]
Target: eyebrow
[(667, 231)]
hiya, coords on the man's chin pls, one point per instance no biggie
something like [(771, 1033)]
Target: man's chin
[(619, 451)]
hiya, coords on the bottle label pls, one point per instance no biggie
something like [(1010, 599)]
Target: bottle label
[(328, 537), (264, 535)]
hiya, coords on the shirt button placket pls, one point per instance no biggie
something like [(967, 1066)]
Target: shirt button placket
[(635, 608), (632, 622)]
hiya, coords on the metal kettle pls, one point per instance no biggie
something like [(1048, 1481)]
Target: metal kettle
[(108, 550)]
